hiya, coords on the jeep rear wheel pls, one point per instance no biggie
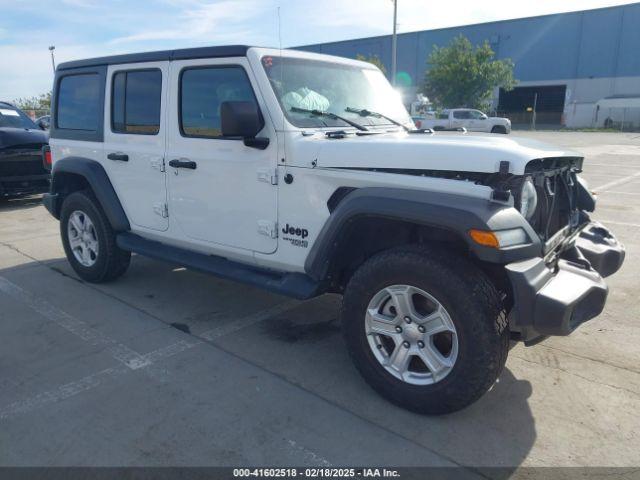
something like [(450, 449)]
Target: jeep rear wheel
[(89, 241), (425, 328)]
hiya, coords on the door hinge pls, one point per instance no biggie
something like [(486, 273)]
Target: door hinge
[(158, 164), (161, 209), (268, 176), (268, 228)]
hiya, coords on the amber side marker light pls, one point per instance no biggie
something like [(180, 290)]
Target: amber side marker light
[(482, 237)]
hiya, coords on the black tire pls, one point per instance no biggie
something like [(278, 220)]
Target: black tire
[(474, 305), (499, 129), (111, 262)]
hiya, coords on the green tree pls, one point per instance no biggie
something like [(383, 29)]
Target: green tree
[(461, 75), (40, 102), (373, 59)]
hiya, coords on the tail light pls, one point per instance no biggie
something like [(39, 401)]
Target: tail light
[(47, 161)]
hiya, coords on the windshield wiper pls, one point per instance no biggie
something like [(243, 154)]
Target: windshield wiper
[(320, 113), (363, 112)]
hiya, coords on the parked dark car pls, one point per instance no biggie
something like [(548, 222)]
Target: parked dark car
[(22, 169)]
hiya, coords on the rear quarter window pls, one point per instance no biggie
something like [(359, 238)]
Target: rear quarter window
[(79, 102)]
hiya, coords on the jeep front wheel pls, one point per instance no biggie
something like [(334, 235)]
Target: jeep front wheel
[(89, 241), (425, 328)]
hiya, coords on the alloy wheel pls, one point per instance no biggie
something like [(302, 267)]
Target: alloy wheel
[(411, 334)]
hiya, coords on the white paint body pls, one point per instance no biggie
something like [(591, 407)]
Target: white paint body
[(470, 119), (221, 208)]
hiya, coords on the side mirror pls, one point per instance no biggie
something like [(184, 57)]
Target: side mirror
[(243, 120), (483, 117), (43, 124)]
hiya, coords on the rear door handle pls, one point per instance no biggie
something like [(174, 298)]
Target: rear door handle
[(118, 157), (183, 163)]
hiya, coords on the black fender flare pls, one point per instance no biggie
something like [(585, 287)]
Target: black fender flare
[(98, 180), (453, 212)]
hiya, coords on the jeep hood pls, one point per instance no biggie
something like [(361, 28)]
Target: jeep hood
[(440, 151)]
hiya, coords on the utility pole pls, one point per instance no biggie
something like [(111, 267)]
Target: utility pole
[(53, 60), (394, 43)]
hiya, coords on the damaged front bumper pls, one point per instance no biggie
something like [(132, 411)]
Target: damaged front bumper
[(555, 300)]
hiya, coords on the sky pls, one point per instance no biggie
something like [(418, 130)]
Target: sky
[(92, 28)]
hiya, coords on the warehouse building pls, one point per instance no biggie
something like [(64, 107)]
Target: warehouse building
[(579, 69)]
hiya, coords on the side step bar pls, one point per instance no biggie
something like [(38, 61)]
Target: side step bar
[(296, 285)]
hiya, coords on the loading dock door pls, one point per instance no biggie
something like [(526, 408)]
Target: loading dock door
[(517, 104)]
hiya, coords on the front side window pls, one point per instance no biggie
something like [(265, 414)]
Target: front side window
[(11, 117), (476, 114), (202, 92), (78, 105), (135, 102), (337, 88)]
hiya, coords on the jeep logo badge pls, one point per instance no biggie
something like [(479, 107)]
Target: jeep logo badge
[(299, 232)]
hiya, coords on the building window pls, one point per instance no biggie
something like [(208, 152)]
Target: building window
[(136, 97), (78, 104), (203, 90)]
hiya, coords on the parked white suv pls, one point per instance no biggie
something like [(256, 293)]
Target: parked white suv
[(303, 174), (467, 118)]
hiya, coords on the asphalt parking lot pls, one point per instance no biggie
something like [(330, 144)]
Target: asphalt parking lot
[(170, 367)]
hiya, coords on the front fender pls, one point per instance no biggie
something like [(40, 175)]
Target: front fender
[(96, 177), (452, 212)]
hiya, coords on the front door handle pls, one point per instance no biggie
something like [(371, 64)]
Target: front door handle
[(183, 163), (118, 157)]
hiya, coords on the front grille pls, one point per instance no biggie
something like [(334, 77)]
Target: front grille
[(21, 162), (557, 198)]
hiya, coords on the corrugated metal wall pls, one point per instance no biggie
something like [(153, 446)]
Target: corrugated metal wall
[(590, 44)]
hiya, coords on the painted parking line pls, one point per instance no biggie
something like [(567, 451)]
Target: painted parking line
[(62, 392), (624, 224), (619, 193), (608, 165), (129, 360), (77, 327), (614, 183), (92, 381)]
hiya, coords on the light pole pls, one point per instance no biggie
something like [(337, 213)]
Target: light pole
[(394, 43), (53, 61)]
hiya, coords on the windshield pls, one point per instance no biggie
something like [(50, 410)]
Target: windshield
[(13, 118), (303, 84)]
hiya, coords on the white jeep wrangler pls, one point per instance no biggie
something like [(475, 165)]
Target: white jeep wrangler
[(303, 174)]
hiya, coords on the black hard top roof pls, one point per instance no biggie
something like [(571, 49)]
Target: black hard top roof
[(182, 54)]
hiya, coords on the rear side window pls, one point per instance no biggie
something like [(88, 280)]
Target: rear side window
[(135, 102), (202, 91), (79, 99)]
